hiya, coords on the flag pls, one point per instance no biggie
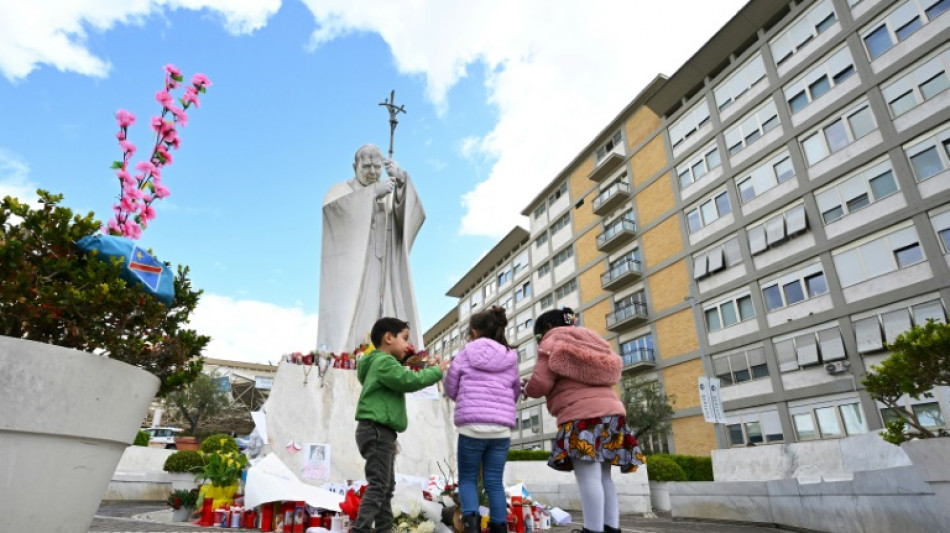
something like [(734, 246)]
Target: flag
[(139, 267)]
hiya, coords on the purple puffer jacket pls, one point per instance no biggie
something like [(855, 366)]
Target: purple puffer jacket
[(483, 381)]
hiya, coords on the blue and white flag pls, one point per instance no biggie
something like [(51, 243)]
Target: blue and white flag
[(138, 266)]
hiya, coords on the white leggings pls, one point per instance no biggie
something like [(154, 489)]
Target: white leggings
[(598, 495)]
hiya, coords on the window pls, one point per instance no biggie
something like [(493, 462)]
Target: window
[(856, 191), (829, 73), (802, 31), (755, 428), (941, 224), (504, 277), (563, 255), (811, 348), (751, 127), (539, 211), (608, 147), (522, 292), (520, 263), (770, 172), (837, 133), (490, 288), (729, 312), (689, 123), (928, 154), (794, 287), (566, 289), (739, 367), (542, 240), (777, 229), (524, 322), (618, 186), (508, 302), (547, 301), (635, 303), (745, 77), (531, 419), (882, 255), (708, 211), (899, 24), (557, 194), (829, 420), (918, 84), (561, 223), (544, 269), (637, 350), (698, 165), (717, 258), (476, 299)]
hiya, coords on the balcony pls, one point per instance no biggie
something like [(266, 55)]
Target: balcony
[(611, 162), (616, 235), (621, 275), (630, 315), (611, 197), (638, 359)]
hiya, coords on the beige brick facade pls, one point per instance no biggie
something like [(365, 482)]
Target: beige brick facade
[(669, 286), (655, 200), (589, 284), (585, 247), (676, 334), (579, 181), (694, 436), (648, 161), (662, 241), (594, 317), (584, 215), (680, 381), (640, 126)]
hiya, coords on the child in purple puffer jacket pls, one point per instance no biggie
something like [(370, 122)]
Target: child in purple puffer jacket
[(483, 381)]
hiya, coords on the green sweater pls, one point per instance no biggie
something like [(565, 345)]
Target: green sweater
[(385, 384)]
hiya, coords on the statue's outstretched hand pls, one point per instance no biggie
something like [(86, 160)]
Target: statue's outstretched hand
[(384, 187), (393, 170)]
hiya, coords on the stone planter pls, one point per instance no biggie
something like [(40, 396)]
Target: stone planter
[(660, 495), (181, 514), (68, 417), (929, 456), (182, 481)]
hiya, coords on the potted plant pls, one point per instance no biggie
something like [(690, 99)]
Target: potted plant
[(182, 503), (84, 351), (221, 470), (182, 466)]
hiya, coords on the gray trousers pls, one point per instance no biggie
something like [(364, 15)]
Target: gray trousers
[(377, 445)]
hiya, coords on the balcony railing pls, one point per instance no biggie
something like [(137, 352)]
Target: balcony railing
[(617, 234), (611, 197), (611, 162), (622, 273), (637, 358), (626, 316)]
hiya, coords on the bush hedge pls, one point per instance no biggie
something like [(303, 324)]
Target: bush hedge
[(693, 467), (219, 442), (664, 468), (141, 438), (528, 455), (183, 461)]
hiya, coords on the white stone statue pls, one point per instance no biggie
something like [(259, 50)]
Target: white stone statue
[(369, 226)]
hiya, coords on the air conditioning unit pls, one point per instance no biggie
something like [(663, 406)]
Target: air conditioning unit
[(837, 367)]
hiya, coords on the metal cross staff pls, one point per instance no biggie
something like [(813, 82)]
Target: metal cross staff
[(394, 110)]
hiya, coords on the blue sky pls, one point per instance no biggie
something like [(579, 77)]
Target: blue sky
[(500, 97)]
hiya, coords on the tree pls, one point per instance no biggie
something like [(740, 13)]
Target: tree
[(200, 399), (919, 361), (50, 291), (649, 409)]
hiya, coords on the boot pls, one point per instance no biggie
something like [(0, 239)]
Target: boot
[(608, 529), (471, 523), (498, 527)]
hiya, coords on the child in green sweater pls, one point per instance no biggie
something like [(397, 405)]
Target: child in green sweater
[(381, 415)]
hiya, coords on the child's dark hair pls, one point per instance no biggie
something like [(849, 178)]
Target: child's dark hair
[(555, 318), (385, 325), (491, 323)]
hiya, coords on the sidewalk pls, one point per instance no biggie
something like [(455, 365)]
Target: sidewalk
[(131, 517)]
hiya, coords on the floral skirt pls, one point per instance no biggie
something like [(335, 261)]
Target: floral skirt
[(605, 439)]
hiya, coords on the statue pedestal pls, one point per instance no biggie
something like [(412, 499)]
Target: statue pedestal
[(313, 414)]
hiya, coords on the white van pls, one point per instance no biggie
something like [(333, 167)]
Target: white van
[(163, 437)]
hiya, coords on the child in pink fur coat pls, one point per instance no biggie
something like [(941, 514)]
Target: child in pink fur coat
[(577, 372)]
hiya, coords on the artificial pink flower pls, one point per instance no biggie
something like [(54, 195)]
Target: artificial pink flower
[(200, 80), (172, 70), (164, 153), (172, 139), (165, 98), (181, 118), (148, 213), (161, 191), (124, 118), (191, 97), (132, 229), (127, 147), (120, 135), (145, 166)]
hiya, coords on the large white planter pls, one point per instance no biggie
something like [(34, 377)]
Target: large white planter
[(660, 495), (930, 457), (67, 418)]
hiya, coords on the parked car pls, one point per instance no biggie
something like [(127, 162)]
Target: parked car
[(163, 437)]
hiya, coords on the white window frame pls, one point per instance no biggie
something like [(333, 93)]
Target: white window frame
[(718, 306), (558, 193), (811, 411), (802, 31), (562, 256), (895, 19), (764, 176), (794, 222), (809, 348), (938, 139), (940, 220), (835, 67), (733, 88), (746, 359), (608, 147), (819, 136), (908, 82), (718, 257), (753, 125), (688, 124), (686, 173), (697, 209), (837, 195), (561, 223), (863, 253), (565, 289), (799, 275)]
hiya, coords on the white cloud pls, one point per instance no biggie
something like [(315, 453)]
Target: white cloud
[(558, 73), (15, 178), (53, 32), (252, 331)]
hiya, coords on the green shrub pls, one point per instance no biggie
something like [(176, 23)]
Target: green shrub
[(528, 455), (141, 438), (219, 442), (184, 461), (695, 468), (662, 467)]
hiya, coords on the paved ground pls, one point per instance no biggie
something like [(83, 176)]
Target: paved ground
[(131, 517)]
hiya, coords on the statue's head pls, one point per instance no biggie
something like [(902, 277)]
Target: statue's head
[(368, 164)]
